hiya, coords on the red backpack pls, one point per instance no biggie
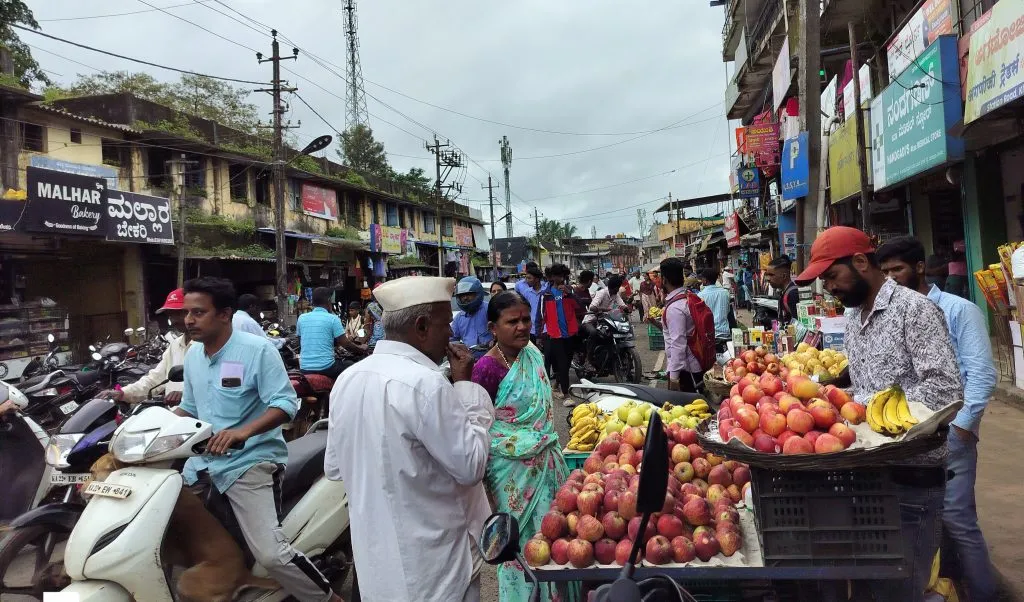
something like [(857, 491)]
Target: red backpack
[(702, 341)]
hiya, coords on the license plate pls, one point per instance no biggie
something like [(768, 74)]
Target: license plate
[(69, 407), (67, 478), (108, 490)]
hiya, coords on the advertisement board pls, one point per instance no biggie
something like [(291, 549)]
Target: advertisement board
[(933, 19), (133, 217), (82, 169), (750, 181), (795, 168), (782, 76), (731, 229), (463, 236), (387, 239), (65, 203), (843, 173), (319, 202), (910, 118), (994, 73)]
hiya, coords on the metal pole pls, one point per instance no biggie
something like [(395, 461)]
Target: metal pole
[(177, 197), (672, 208), (808, 63), (862, 160), (437, 213), (494, 253)]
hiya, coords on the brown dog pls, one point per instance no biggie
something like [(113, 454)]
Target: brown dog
[(216, 565)]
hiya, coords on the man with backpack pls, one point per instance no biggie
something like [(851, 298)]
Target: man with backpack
[(689, 328)]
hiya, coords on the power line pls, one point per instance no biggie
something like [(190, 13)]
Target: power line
[(135, 60), (134, 12)]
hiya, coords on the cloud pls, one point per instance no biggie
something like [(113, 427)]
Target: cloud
[(585, 67)]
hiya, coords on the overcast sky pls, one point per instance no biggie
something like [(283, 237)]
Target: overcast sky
[(582, 67)]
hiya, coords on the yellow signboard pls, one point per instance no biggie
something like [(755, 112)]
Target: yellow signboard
[(843, 173), (994, 73)]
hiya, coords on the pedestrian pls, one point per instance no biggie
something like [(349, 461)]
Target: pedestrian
[(374, 313), (526, 466), (894, 336), (497, 287), (174, 355), (956, 280), (237, 382), (646, 295), (558, 311), (780, 275), (935, 270), (247, 316), (717, 298), (685, 372), (320, 332), (355, 321), (470, 325), (412, 449), (530, 287), (659, 288), (902, 259)]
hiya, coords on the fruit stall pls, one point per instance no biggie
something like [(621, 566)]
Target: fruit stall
[(787, 481)]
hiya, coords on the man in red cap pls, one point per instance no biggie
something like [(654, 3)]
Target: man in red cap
[(894, 335), (174, 355)]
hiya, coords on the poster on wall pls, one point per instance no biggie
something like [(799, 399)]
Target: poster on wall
[(933, 19), (319, 202), (731, 230), (65, 203), (789, 244), (135, 217), (995, 75), (910, 118), (387, 239), (463, 236), (865, 91)]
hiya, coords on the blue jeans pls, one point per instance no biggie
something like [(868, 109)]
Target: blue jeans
[(960, 518)]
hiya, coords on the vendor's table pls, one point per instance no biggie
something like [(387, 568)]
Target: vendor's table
[(723, 573)]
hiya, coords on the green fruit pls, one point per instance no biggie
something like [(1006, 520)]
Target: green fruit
[(614, 426), (623, 411), (635, 418), (678, 411)]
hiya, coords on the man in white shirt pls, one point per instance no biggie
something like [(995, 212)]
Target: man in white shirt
[(174, 355), (246, 315), (412, 450), (634, 283)]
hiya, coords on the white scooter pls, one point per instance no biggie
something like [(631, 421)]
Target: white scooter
[(23, 464), (114, 552)]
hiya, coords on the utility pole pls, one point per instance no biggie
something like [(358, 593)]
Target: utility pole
[(494, 252), (506, 164), (176, 197), (862, 160), (809, 64), (278, 170), (675, 217), (449, 160)]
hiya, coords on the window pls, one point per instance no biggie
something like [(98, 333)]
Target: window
[(446, 226), (157, 169), (428, 223), (392, 214), (194, 175), (375, 211), (294, 193), (111, 152), (32, 137), (262, 187), (76, 136), (238, 179)]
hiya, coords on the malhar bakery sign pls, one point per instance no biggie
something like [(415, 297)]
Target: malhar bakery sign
[(65, 203)]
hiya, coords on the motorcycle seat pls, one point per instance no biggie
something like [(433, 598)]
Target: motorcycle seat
[(305, 464), (86, 378), (37, 383), (320, 383)]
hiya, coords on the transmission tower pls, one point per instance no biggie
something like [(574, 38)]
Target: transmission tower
[(355, 97), (506, 163), (641, 218)]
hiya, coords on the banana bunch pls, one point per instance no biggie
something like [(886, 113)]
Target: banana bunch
[(587, 421), (689, 415), (654, 312), (888, 412)]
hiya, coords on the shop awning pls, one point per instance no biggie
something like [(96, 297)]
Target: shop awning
[(319, 239), (447, 245)]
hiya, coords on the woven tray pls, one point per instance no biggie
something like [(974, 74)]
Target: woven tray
[(707, 436), (717, 389)]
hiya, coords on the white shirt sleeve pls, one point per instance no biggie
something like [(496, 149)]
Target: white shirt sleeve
[(454, 425), (244, 322), (138, 390)]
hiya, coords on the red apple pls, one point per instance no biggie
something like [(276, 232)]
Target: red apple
[(765, 443), (682, 550), (560, 551), (724, 426), (772, 424), (812, 437), (827, 444), (720, 475), (604, 551), (689, 489), (577, 475), (623, 550), (590, 528), (741, 474), (609, 445), (553, 525), (627, 504), (594, 463), (781, 439), (797, 445), (633, 529), (565, 498), (770, 384), (824, 414), (701, 468), (751, 394), (695, 450), (799, 421), (537, 552), (706, 546), (581, 553), (735, 390), (716, 492), (744, 437), (670, 526), (688, 437), (723, 413), (747, 419), (729, 542), (589, 502), (853, 412), (844, 433), (658, 550), (680, 453), (837, 397), (572, 520), (788, 402), (611, 500), (697, 512)]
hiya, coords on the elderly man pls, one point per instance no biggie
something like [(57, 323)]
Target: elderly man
[(412, 449)]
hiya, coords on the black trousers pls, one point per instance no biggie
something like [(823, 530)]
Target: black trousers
[(691, 382), (588, 332), (558, 352)]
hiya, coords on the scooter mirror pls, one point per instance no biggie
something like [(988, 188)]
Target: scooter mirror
[(50, 338), (654, 475), (177, 374), (96, 357), (92, 348), (499, 540), (128, 332), (142, 329), (261, 315)]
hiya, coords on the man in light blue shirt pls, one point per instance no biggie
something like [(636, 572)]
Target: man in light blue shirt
[(237, 382), (903, 260), (319, 332), (718, 301), (470, 325)]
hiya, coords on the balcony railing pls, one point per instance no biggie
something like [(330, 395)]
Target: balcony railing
[(763, 26)]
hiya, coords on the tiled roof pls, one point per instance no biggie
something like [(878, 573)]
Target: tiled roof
[(91, 120)]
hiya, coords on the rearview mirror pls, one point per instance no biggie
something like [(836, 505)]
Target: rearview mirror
[(499, 540), (50, 337), (654, 475), (96, 357), (92, 348), (128, 332), (261, 315), (177, 374)]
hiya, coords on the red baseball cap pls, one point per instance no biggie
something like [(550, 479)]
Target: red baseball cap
[(175, 301), (831, 245)]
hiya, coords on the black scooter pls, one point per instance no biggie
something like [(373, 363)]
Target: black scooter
[(614, 351)]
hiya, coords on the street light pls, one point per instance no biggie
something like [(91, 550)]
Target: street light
[(318, 143)]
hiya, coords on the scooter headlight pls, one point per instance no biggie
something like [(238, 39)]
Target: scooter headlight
[(622, 326), (162, 445), (131, 447), (59, 448)]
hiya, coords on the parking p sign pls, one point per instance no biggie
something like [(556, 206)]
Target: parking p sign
[(794, 167)]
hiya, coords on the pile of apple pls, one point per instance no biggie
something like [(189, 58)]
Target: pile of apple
[(594, 516), (795, 416), (755, 361)]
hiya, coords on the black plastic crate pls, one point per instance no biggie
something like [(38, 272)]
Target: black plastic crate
[(828, 518)]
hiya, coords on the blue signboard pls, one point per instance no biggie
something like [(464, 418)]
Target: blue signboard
[(750, 181), (81, 169), (794, 167)]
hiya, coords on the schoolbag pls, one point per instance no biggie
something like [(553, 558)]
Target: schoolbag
[(702, 341)]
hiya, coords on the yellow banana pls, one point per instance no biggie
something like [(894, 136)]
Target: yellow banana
[(699, 403), (903, 412), (585, 447), (874, 411), (892, 420)]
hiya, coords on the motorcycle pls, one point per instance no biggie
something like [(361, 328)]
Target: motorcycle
[(614, 353), (114, 551), (499, 539), (22, 462)]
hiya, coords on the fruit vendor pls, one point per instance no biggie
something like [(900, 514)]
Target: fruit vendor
[(780, 275), (893, 336), (412, 449), (903, 260)]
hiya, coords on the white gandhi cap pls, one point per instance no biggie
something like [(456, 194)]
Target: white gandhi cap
[(405, 292)]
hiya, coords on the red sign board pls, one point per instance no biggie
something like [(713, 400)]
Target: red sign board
[(731, 229), (761, 138), (319, 202)]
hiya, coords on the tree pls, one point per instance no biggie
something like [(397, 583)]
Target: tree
[(193, 94), (26, 69), (360, 151), (416, 180)]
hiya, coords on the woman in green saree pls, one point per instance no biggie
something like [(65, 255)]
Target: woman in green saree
[(526, 466)]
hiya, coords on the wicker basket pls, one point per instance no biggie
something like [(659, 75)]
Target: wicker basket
[(851, 458), (717, 389)]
